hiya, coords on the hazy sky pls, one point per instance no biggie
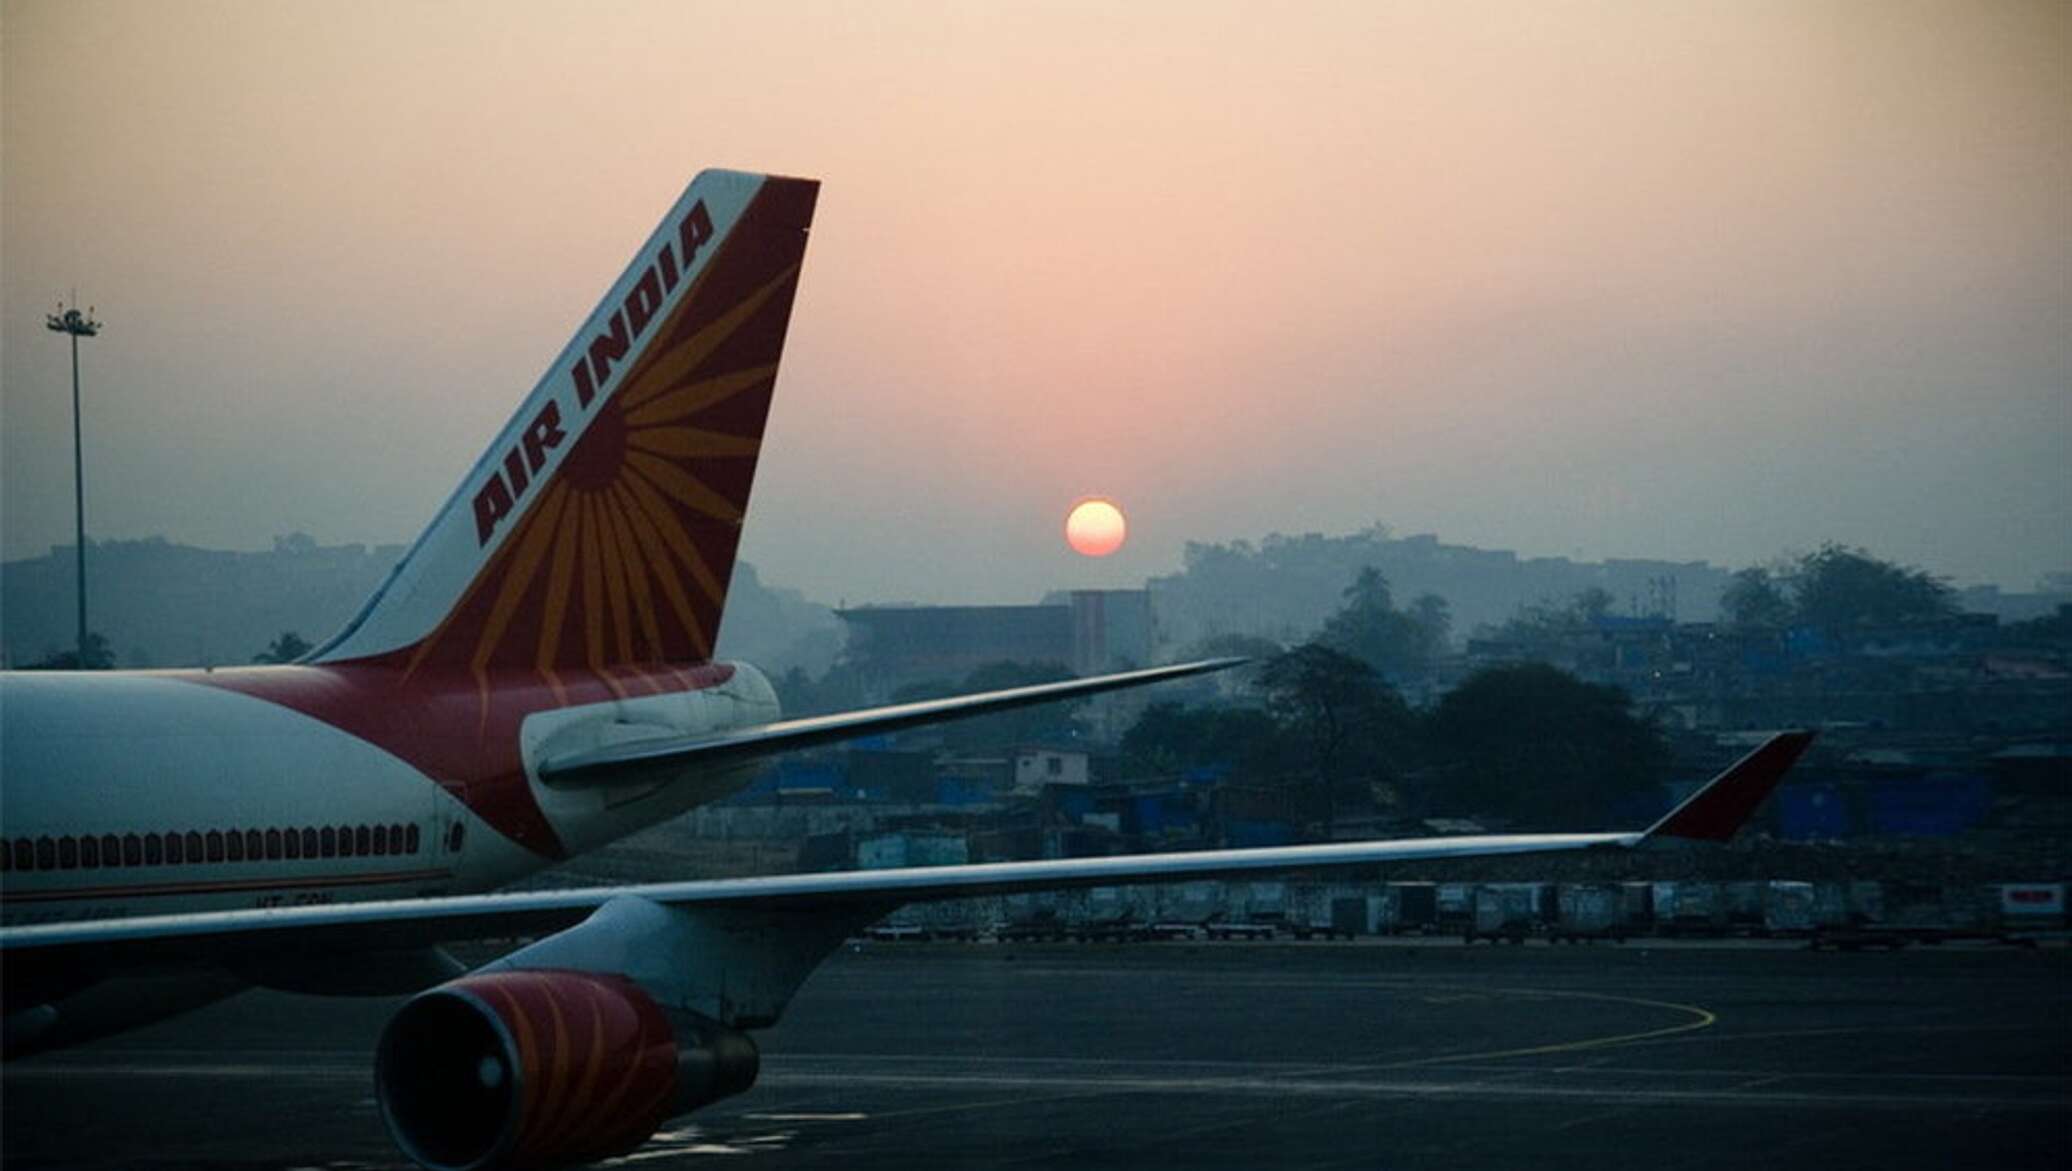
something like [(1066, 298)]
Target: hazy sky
[(1664, 278)]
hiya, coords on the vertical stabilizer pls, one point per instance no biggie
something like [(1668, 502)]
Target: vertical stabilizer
[(599, 529)]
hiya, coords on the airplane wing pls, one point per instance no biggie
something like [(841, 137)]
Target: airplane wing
[(1712, 814), (630, 760), (649, 988)]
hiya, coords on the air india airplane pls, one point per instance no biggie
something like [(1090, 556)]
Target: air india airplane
[(534, 679)]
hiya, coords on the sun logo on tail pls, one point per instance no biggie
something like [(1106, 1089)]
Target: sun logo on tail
[(623, 560)]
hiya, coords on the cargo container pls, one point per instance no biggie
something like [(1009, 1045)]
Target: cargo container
[(1509, 911), (2030, 906), (1741, 905), (1415, 907), (1334, 911), (1189, 902), (1588, 910), (957, 919), (1381, 914), (1453, 908), (1637, 907), (1788, 909), (1830, 905), (1030, 918), (898, 850), (1264, 902), (1688, 908), (1108, 914)]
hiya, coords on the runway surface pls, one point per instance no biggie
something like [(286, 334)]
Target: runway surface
[(1218, 1056)]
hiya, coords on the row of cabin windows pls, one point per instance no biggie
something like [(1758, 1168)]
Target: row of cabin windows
[(252, 845)]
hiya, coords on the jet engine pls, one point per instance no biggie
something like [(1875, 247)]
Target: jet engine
[(541, 1068)]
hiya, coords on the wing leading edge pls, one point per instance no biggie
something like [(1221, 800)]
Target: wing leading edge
[(620, 763), (174, 939)]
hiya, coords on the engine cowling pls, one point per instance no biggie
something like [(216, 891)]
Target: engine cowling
[(541, 1068)]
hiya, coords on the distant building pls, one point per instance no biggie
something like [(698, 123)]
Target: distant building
[(1089, 631), (905, 644), (1111, 630), (1037, 767)]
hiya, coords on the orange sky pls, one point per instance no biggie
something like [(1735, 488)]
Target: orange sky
[(1693, 280)]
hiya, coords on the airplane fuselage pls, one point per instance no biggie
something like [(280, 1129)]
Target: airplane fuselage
[(135, 793)]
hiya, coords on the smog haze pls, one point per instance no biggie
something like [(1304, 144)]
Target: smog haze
[(1691, 281)]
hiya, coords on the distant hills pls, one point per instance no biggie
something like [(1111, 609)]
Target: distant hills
[(162, 604), (1282, 587)]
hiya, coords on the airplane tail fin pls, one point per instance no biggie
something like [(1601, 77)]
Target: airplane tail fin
[(599, 529)]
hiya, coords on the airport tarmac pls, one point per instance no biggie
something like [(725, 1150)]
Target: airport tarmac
[(1215, 1056)]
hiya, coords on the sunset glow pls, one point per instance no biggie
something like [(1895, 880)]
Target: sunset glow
[(1096, 528), (1432, 266)]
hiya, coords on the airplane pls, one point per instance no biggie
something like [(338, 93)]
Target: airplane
[(534, 679)]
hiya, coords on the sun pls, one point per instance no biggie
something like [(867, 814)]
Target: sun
[(1096, 527)]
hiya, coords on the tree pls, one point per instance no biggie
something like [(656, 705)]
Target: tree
[(1536, 744), (1242, 646), (289, 647), (98, 657), (1753, 598), (1042, 724), (1432, 612), (1371, 629), (1544, 620), (1350, 726), (1593, 603), (1170, 738), (1837, 587)]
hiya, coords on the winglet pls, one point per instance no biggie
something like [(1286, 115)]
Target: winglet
[(1716, 811)]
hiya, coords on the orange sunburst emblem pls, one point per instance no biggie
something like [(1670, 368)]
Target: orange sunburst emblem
[(624, 558)]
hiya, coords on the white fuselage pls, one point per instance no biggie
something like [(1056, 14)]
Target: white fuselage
[(143, 793)]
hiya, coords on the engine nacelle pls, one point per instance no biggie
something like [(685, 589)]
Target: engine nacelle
[(540, 1068)]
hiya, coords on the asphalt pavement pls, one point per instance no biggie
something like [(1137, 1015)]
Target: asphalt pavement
[(1214, 1056)]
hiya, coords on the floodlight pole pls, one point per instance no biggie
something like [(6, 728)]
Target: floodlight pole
[(78, 325)]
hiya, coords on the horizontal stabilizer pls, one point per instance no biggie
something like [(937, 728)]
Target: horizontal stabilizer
[(628, 762)]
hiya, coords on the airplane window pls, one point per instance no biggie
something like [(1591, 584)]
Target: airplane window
[(89, 853), (175, 849), (23, 858), (193, 846), (381, 839), (395, 839), (215, 845), (46, 854), (273, 845), (6, 858), (111, 850), (132, 850), (309, 843), (291, 844), (255, 845), (345, 841), (362, 839), (410, 838), (68, 852), (330, 840), (154, 850), (234, 845), (453, 837)]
